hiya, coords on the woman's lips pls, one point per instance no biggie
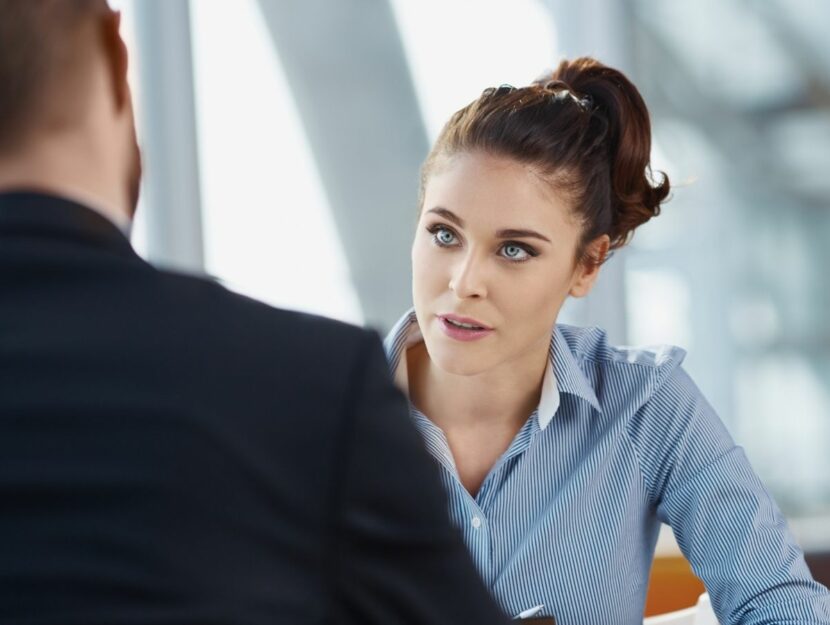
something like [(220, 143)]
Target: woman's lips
[(451, 329)]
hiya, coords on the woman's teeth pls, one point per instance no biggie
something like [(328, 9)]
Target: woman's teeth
[(466, 326)]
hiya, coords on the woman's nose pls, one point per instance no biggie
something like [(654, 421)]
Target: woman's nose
[(468, 279)]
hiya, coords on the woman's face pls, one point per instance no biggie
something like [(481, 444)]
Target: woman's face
[(494, 249)]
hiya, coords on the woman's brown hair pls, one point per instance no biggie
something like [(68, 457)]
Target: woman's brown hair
[(584, 129)]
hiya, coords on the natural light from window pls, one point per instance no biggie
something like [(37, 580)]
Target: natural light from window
[(268, 228), (457, 48)]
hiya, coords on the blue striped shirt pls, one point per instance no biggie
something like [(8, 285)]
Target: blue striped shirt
[(621, 441)]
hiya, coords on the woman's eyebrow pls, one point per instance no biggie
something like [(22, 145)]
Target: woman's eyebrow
[(447, 214), (509, 233), (513, 233)]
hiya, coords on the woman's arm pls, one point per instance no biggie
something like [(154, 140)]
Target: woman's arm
[(725, 521)]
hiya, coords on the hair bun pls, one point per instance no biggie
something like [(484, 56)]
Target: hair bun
[(626, 136)]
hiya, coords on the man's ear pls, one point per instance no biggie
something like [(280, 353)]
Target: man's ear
[(587, 269), (116, 55)]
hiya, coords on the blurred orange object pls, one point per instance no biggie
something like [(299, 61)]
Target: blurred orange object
[(672, 586)]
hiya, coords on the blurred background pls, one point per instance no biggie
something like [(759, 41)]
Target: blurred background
[(283, 138)]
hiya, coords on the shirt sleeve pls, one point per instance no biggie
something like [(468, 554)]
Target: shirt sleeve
[(726, 522), (399, 559)]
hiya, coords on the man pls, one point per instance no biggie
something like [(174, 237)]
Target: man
[(171, 452)]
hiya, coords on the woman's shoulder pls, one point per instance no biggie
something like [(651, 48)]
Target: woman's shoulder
[(591, 346), (647, 392), (626, 377)]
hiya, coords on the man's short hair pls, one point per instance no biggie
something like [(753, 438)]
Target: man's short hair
[(39, 45)]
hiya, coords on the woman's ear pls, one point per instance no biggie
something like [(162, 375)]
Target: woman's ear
[(587, 267)]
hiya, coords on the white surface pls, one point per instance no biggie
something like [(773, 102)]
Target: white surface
[(680, 617), (704, 614)]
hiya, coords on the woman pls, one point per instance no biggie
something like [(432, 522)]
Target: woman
[(561, 454)]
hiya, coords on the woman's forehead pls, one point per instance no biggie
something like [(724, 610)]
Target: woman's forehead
[(495, 191)]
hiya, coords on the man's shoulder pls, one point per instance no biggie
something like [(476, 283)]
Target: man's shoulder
[(212, 309)]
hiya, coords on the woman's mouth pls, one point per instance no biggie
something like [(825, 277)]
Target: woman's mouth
[(463, 328)]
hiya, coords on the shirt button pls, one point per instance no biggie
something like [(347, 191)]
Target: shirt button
[(476, 522)]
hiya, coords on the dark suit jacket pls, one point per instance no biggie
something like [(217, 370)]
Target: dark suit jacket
[(174, 453)]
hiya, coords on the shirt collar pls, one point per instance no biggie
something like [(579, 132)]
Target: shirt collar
[(404, 334), (562, 374), (569, 374)]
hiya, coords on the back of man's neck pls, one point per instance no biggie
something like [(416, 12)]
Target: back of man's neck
[(70, 182)]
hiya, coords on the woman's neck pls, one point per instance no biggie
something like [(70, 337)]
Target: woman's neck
[(500, 397)]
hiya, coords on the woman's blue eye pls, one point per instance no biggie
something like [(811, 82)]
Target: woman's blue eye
[(444, 236), (514, 252)]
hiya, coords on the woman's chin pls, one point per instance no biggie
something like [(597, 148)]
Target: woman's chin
[(454, 361)]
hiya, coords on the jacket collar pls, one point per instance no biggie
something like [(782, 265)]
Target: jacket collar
[(38, 214)]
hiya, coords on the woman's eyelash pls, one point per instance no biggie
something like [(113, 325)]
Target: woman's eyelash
[(531, 252), (435, 229)]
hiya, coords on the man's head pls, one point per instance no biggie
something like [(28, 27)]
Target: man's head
[(66, 118)]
